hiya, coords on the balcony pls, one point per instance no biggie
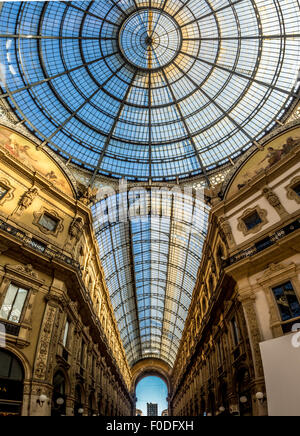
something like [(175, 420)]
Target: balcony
[(10, 328), (37, 245), (263, 244)]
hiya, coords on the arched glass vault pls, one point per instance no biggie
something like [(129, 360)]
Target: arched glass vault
[(155, 89), (151, 262)]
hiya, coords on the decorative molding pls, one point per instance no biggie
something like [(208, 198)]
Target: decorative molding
[(291, 194), (27, 271), (274, 201), (40, 368), (227, 232), (26, 200), (40, 213), (75, 230), (242, 225)]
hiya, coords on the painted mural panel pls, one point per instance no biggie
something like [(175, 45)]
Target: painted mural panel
[(36, 160)]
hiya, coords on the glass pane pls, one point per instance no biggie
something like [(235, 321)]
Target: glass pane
[(18, 306), (252, 221), (48, 222), (292, 300), (3, 191), (5, 362), (236, 334), (66, 332), (8, 302), (287, 301), (212, 77), (16, 371), (297, 189), (282, 304)]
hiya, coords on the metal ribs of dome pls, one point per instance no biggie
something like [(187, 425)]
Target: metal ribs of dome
[(208, 88), (150, 264)]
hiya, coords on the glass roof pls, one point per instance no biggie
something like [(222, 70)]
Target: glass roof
[(151, 263), (158, 89)]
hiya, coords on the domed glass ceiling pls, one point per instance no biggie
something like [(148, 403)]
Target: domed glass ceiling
[(150, 89)]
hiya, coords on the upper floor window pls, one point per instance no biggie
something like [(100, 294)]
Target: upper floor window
[(3, 191), (13, 304), (253, 220), (297, 189), (235, 332), (66, 334), (287, 301), (220, 256), (49, 222)]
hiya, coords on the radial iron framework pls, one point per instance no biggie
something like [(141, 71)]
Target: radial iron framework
[(150, 90)]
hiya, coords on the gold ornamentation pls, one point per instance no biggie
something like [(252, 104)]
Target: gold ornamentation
[(26, 200), (52, 213), (75, 229), (227, 230), (25, 269), (274, 201), (87, 195), (44, 343), (291, 193)]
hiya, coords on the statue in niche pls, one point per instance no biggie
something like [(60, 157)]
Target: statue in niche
[(227, 230), (75, 230), (26, 200), (274, 201)]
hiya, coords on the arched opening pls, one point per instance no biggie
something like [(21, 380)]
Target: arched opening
[(11, 384), (243, 385), (59, 394), (78, 405), (151, 393), (92, 405)]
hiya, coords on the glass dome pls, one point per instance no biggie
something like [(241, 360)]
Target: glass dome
[(159, 89)]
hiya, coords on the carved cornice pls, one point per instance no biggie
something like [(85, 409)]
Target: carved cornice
[(24, 271)]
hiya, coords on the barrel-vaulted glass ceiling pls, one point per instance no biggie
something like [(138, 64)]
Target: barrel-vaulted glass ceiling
[(155, 89), (151, 263)]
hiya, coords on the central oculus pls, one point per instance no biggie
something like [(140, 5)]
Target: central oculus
[(150, 39)]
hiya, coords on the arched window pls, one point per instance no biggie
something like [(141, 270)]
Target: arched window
[(220, 256), (92, 404), (11, 384), (59, 395), (78, 406), (244, 391)]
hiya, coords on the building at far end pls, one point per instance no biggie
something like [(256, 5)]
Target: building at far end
[(139, 412), (165, 413), (152, 409)]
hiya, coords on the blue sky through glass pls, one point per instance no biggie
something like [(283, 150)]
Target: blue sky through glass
[(151, 390), (214, 79)]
